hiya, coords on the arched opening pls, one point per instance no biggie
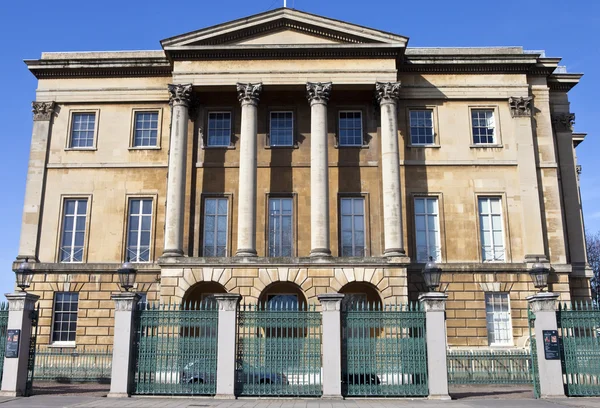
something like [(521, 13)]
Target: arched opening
[(202, 295), (359, 295), (282, 296)]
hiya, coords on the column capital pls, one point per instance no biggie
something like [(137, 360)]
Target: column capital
[(125, 301), (433, 301), (249, 93), (21, 301), (180, 94), (543, 302), (331, 301), (387, 92), (228, 301), (42, 110), (318, 92), (563, 122), (520, 106)]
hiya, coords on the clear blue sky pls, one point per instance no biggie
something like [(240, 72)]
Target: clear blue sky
[(567, 29)]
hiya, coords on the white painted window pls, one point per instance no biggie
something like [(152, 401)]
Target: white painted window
[(64, 319), (421, 127), (491, 230), (281, 129), (83, 126), (427, 229), (139, 230), (497, 311), (350, 128), (219, 129), (353, 226), (73, 230), (215, 227), (280, 227), (145, 129), (484, 126)]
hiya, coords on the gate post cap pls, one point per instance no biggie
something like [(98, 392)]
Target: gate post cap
[(433, 301), (543, 302), (21, 300), (228, 301)]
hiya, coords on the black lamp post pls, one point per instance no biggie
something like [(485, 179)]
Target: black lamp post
[(539, 275), (127, 276), (24, 275), (431, 275)]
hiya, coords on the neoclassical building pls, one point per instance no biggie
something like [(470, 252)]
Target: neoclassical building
[(285, 155)]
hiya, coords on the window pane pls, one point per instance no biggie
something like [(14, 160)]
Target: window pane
[(215, 227), (139, 230), (421, 126), (64, 316), (219, 129), (280, 226), (281, 129)]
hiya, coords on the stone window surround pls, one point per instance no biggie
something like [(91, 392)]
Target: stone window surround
[(134, 111), (367, 214), (128, 198), (94, 146), (436, 126), (365, 136), (505, 225), (412, 224), (200, 231), (63, 198), (203, 133), (295, 134), (497, 129), (294, 197)]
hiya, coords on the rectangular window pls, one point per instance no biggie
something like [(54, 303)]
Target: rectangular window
[(64, 324), (139, 230), (484, 127), (490, 224), (280, 227), (421, 127), (145, 129), (82, 129), (427, 229), (350, 128), (215, 227), (281, 129), (353, 226), (497, 311), (219, 129), (73, 230)]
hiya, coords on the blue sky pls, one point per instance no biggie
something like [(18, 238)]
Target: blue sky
[(570, 30)]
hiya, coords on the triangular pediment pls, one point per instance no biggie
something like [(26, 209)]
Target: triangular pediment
[(286, 27)]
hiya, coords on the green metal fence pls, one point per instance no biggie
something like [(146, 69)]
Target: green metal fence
[(579, 331), (535, 372), (175, 349), (279, 350), (72, 365), (384, 351), (489, 366), (3, 325)]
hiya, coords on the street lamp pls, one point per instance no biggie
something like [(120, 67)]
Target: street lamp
[(24, 275), (127, 275), (431, 275), (539, 274)]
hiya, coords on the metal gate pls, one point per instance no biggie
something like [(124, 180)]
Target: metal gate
[(384, 351), (579, 332), (489, 366), (279, 350), (175, 349), (35, 314), (3, 326)]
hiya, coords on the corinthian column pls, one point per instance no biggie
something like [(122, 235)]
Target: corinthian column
[(318, 96), (387, 95), (248, 95), (36, 179), (179, 99)]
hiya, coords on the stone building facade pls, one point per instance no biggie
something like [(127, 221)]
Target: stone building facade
[(286, 155)]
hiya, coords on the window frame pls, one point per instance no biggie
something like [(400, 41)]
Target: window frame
[(439, 227), (434, 126), (510, 342), (367, 209), (294, 144), (63, 343), (69, 138), (205, 135), (363, 132), (497, 131), (61, 224), (503, 218), (341, 231), (152, 222), (229, 219), (134, 113), (294, 198)]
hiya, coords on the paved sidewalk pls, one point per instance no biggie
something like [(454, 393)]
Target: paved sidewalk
[(71, 401)]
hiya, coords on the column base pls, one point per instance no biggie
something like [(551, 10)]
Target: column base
[(391, 252), (172, 253), (11, 394), (441, 397), (332, 397), (320, 253), (225, 396), (118, 395), (245, 252), (530, 258), (28, 258)]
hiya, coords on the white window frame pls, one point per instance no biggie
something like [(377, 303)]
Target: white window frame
[(433, 135), (52, 333), (134, 113), (437, 256), (216, 228), (140, 216), (362, 131), (496, 126), (494, 319), (293, 144), (69, 139), (75, 216), (215, 112), (353, 231), (489, 226), (280, 230)]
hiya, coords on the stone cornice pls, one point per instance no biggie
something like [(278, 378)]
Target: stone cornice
[(563, 82)]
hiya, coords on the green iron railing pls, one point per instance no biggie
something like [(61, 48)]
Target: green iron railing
[(489, 366), (579, 331), (279, 350), (3, 325), (384, 351), (175, 349), (72, 365), (535, 371)]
